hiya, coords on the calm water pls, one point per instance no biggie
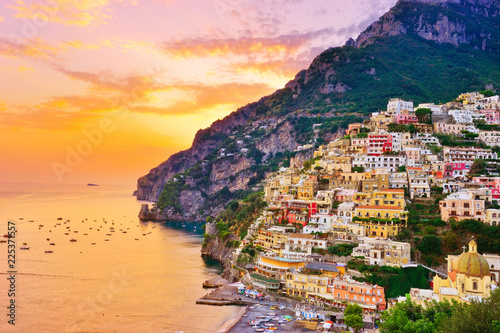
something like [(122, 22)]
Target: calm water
[(118, 284)]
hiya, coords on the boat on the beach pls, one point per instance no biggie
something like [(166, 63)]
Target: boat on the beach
[(24, 248), (7, 236), (49, 251), (52, 243), (3, 241), (72, 240)]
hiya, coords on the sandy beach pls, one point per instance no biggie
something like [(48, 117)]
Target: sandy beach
[(228, 325)]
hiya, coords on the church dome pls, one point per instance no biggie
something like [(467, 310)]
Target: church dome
[(472, 263)]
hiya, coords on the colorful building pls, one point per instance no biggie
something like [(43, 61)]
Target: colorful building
[(461, 206), (369, 297)]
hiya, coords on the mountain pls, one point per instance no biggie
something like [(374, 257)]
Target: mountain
[(420, 50)]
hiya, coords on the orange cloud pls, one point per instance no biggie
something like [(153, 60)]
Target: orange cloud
[(32, 48), (134, 86), (270, 46), (80, 13), (204, 97), (281, 67)]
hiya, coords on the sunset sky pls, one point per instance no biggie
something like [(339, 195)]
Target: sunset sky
[(104, 90)]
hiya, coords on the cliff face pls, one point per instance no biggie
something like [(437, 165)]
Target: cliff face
[(443, 21), (205, 142), (409, 53), (215, 248)]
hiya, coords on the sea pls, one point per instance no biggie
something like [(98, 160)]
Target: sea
[(117, 275)]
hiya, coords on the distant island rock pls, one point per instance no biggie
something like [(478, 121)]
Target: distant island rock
[(90, 184)]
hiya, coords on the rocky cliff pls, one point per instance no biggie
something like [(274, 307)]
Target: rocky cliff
[(216, 248), (421, 50), (473, 22)]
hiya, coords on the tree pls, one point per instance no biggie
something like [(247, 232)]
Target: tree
[(423, 115), (359, 169), (402, 168), (431, 244), (478, 167), (353, 317), (354, 309), (354, 321), (478, 316), (487, 93)]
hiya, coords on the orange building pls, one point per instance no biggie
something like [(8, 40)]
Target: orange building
[(370, 297)]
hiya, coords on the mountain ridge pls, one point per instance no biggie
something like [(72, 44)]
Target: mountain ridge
[(391, 58)]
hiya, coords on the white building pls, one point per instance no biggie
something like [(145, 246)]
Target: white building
[(391, 162), (467, 154), (299, 246), (383, 252), (427, 139), (398, 180), (419, 187), (396, 105), (490, 138), (320, 223)]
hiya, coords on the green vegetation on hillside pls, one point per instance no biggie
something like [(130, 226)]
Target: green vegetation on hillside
[(396, 281), (444, 317)]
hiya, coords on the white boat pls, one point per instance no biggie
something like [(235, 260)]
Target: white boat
[(24, 248)]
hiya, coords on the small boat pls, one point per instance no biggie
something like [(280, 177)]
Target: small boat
[(66, 233), (59, 218), (90, 184), (52, 243), (49, 251), (25, 243), (24, 248), (135, 239), (21, 218), (106, 240), (7, 236), (92, 243), (3, 241), (72, 240), (31, 221)]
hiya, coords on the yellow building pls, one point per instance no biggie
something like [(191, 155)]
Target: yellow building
[(302, 285), (381, 229), (468, 277), (380, 212), (276, 267), (388, 197), (274, 241), (312, 279), (306, 190)]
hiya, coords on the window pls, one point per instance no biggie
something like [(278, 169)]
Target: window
[(474, 285)]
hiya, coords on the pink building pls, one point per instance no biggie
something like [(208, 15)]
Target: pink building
[(406, 119), (492, 116), (455, 170), (492, 183), (379, 143)]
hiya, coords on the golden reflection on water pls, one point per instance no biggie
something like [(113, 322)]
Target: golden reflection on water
[(120, 275)]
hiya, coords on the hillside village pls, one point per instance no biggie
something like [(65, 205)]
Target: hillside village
[(405, 188)]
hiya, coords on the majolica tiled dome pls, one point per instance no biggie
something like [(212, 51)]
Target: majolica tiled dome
[(472, 263)]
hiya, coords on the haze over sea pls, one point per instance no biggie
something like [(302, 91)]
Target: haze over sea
[(120, 284)]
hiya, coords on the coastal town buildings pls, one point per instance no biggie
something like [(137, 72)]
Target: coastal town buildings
[(361, 190), (382, 252)]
